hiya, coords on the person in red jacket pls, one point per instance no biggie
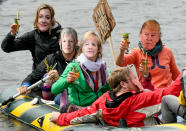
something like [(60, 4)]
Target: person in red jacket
[(127, 104)]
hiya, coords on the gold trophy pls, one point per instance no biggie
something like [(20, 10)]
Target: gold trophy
[(126, 39), (16, 21), (145, 67)]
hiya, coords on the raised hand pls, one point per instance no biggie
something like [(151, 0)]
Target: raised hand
[(124, 45), (54, 74), (23, 90)]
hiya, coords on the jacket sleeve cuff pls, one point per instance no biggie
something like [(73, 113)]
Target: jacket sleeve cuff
[(62, 121), (149, 78), (26, 84), (146, 82), (11, 35)]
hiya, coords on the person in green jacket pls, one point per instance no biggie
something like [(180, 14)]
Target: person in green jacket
[(91, 81)]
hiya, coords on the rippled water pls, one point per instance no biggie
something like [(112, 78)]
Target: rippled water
[(129, 16)]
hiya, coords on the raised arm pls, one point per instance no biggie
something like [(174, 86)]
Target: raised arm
[(13, 43), (120, 56)]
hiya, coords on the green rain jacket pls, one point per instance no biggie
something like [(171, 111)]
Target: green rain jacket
[(79, 93)]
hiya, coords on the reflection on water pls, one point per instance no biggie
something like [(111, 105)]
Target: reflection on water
[(8, 123), (129, 16)]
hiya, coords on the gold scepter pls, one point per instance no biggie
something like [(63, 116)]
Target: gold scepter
[(144, 63), (126, 39), (16, 21)]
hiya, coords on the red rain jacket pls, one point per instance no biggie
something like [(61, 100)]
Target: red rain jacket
[(136, 108)]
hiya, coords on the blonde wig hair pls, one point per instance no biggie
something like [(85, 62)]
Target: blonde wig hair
[(152, 25)]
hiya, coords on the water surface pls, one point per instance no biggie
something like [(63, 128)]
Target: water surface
[(129, 16)]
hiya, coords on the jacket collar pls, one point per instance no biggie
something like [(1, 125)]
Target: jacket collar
[(117, 100)]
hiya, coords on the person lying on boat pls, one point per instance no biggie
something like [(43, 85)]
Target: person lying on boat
[(173, 106), (85, 77), (68, 49), (126, 105), (41, 41), (152, 53)]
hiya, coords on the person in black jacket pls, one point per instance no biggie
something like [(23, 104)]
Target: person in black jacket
[(41, 41), (68, 45)]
